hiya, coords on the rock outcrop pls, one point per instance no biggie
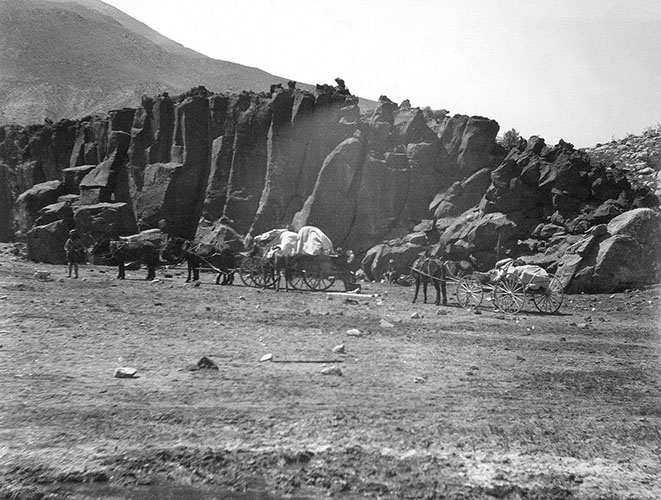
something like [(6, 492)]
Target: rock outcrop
[(639, 156), (225, 167), (626, 253)]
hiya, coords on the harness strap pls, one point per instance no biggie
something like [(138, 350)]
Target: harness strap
[(210, 264), (434, 278)]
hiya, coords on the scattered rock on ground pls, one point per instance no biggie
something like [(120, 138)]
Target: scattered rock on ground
[(339, 349), (125, 372), (332, 370)]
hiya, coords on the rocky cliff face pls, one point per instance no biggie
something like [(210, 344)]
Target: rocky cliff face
[(639, 156), (223, 167), (542, 204), (219, 166)]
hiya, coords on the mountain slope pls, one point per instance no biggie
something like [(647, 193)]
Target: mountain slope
[(72, 58)]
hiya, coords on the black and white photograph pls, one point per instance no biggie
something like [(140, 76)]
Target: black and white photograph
[(359, 250)]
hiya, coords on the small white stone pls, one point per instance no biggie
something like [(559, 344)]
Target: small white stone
[(332, 370), (125, 372), (266, 357), (339, 349), (354, 332)]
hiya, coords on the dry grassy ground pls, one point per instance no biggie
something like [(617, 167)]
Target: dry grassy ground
[(452, 405)]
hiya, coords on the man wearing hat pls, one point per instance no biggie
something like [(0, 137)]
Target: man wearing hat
[(75, 252)]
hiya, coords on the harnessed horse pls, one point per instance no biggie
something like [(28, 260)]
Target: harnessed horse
[(220, 259), (427, 269), (118, 252)]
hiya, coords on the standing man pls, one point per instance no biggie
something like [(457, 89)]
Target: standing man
[(75, 251)]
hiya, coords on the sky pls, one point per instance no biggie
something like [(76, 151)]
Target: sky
[(586, 71)]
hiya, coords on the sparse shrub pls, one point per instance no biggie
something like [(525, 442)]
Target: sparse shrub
[(510, 139), (434, 114)]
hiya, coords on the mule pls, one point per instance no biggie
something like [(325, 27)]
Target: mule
[(274, 263), (427, 269), (118, 253), (221, 259)]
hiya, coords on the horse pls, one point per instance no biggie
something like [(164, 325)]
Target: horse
[(273, 263), (220, 259), (428, 269), (118, 253)]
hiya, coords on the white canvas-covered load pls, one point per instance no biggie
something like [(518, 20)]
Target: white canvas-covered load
[(288, 242), (154, 236), (313, 241), (533, 277), (309, 240)]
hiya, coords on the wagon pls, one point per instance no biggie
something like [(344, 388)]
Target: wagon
[(307, 272), (508, 293)]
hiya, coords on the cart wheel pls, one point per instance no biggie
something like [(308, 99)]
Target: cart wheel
[(316, 278), (297, 276), (509, 294), (247, 270), (550, 299), (251, 272), (469, 292), (258, 277)]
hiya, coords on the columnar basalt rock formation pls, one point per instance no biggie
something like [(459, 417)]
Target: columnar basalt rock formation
[(225, 167)]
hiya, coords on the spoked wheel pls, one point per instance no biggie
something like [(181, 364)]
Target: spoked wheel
[(297, 276), (549, 300), (469, 292), (249, 267), (509, 294), (258, 277), (316, 278)]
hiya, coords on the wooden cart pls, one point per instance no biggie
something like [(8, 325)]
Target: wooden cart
[(508, 293)]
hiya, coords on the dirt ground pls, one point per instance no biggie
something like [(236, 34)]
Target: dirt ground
[(432, 402)]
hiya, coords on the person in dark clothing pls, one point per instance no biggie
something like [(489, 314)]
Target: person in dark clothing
[(75, 251)]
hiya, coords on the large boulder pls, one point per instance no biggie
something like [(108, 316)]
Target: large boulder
[(108, 181), (462, 195), (477, 148), (57, 211), (27, 205), (103, 221), (46, 243), (397, 255), (624, 254), (332, 204), (73, 176), (174, 191)]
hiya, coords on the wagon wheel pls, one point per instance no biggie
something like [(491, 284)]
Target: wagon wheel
[(297, 275), (247, 271), (251, 272), (316, 278), (469, 292), (509, 294), (258, 276), (549, 300)]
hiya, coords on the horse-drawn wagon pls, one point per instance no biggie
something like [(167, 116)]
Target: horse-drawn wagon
[(312, 263), (509, 286)]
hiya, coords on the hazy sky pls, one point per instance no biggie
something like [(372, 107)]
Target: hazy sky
[(582, 70)]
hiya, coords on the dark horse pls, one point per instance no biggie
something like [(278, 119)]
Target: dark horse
[(274, 262), (428, 269), (120, 252), (220, 259)]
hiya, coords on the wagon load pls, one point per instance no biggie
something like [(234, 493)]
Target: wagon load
[(510, 284), (313, 264), (154, 236), (313, 241), (532, 277)]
